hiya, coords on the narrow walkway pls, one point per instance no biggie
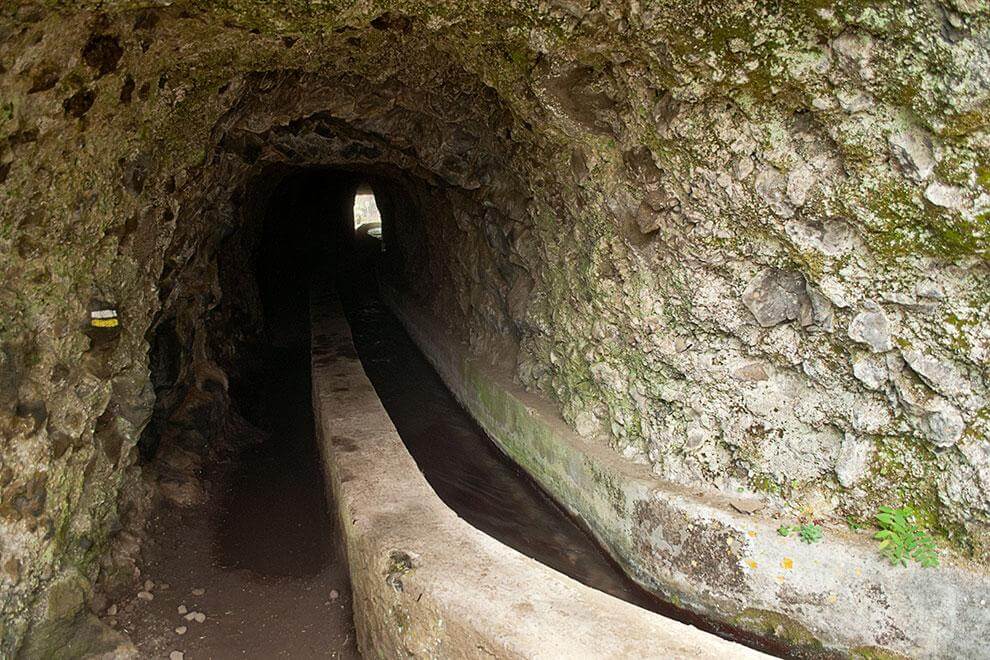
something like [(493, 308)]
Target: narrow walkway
[(260, 548)]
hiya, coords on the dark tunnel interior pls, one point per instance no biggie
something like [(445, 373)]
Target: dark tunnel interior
[(273, 520)]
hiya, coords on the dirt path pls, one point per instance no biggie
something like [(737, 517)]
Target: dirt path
[(258, 558)]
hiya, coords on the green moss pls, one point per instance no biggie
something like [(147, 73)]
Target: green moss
[(983, 176), (901, 222), (764, 483), (906, 474), (777, 625), (614, 494), (875, 653)]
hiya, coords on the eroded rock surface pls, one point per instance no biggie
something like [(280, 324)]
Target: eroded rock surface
[(746, 246)]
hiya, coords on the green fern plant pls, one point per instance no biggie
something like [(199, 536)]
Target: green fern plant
[(810, 533), (901, 539)]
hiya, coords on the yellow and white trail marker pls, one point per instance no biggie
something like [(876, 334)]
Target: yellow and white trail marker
[(104, 318)]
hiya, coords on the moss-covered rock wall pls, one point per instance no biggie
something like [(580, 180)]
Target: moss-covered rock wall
[(744, 244)]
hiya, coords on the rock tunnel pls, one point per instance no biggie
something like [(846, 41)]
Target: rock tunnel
[(713, 276)]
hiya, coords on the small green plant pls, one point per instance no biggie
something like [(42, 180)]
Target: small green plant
[(785, 530), (902, 539), (810, 533)]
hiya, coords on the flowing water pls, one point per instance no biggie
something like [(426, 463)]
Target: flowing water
[(474, 478)]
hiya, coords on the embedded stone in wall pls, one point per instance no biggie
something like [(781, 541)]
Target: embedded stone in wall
[(871, 327)]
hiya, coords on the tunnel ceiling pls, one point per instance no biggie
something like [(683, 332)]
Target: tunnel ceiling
[(744, 244)]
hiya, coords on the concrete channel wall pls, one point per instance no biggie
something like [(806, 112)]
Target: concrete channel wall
[(427, 584), (702, 551)]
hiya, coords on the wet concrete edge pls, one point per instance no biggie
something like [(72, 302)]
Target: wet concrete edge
[(698, 551), (425, 582)]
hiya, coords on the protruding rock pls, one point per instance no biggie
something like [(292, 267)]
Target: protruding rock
[(855, 50), (941, 377), (944, 424), (869, 371), (777, 296), (912, 152), (586, 424), (799, 183), (753, 371), (774, 296), (771, 186), (948, 197), (853, 460), (872, 328)]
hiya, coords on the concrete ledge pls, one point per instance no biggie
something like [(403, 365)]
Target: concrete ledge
[(700, 552), (428, 584)]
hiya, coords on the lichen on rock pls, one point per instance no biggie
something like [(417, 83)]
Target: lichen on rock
[(744, 245)]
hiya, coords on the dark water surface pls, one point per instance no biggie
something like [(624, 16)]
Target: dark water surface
[(474, 478)]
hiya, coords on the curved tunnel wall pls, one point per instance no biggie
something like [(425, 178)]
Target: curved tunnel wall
[(743, 247)]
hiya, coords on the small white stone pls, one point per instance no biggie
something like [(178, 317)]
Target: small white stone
[(149, 585), (872, 328), (190, 616), (145, 595), (911, 149), (586, 424), (948, 197), (945, 425), (799, 182), (176, 655), (200, 617), (743, 167), (334, 594), (853, 460), (940, 376), (870, 371), (181, 630), (112, 610), (182, 609), (198, 592)]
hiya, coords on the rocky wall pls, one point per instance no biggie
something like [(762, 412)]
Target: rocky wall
[(742, 244)]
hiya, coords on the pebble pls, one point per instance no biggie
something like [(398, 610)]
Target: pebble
[(181, 630), (146, 595), (112, 610), (198, 592), (198, 617), (149, 585), (182, 609), (334, 594), (176, 655)]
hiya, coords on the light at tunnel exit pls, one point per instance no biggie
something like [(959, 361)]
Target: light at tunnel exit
[(366, 212)]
